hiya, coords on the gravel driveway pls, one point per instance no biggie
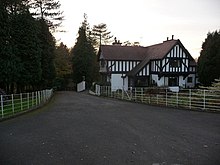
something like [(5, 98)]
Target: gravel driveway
[(79, 129)]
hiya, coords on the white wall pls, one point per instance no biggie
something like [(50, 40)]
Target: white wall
[(117, 82), (160, 82), (182, 82)]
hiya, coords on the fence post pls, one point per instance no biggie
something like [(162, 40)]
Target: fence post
[(2, 108), (157, 99), (28, 100), (21, 101), (142, 95), (135, 94), (190, 97), (36, 97), (177, 99), (32, 98), (122, 94), (166, 96), (39, 97), (12, 103), (204, 101)]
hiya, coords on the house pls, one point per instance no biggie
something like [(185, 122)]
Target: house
[(164, 64)]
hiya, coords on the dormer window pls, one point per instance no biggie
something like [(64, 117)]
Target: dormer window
[(174, 63)]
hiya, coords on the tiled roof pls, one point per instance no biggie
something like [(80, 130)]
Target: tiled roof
[(154, 52), (116, 52)]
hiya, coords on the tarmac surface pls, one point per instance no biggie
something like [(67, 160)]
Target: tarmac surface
[(80, 129)]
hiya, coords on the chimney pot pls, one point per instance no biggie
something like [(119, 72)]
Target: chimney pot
[(172, 37), (167, 38)]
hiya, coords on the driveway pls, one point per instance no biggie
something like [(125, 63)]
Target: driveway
[(79, 129)]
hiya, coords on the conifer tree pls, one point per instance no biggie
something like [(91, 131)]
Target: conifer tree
[(209, 60), (101, 34), (49, 11), (84, 57), (27, 49), (47, 46), (9, 63)]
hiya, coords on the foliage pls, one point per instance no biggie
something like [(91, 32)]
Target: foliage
[(209, 60), (27, 49), (63, 66), (84, 57), (47, 45), (215, 85), (101, 34), (48, 10), (62, 60)]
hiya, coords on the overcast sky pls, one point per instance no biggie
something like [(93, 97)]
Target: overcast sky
[(146, 21)]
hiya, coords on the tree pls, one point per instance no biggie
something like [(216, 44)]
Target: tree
[(209, 59), (8, 61), (48, 10), (20, 56), (63, 65), (84, 57), (101, 34), (47, 46), (62, 60), (26, 46)]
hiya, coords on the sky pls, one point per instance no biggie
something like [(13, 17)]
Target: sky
[(146, 21)]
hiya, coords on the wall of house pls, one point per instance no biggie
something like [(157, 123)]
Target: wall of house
[(122, 66), (182, 81), (159, 82), (117, 82)]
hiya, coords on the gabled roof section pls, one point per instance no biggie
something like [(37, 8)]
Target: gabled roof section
[(154, 52)]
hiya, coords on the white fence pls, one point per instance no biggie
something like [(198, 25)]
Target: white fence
[(207, 100), (13, 104)]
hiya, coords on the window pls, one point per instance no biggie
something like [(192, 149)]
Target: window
[(189, 79), (173, 81), (174, 63)]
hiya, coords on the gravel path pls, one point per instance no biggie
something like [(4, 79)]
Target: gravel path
[(79, 129)]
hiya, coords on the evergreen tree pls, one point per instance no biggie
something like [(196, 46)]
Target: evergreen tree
[(209, 60), (47, 46), (27, 49), (48, 10), (8, 61), (84, 57), (62, 61), (101, 34), (63, 65), (16, 40)]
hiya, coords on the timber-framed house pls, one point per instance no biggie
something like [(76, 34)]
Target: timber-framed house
[(164, 64)]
